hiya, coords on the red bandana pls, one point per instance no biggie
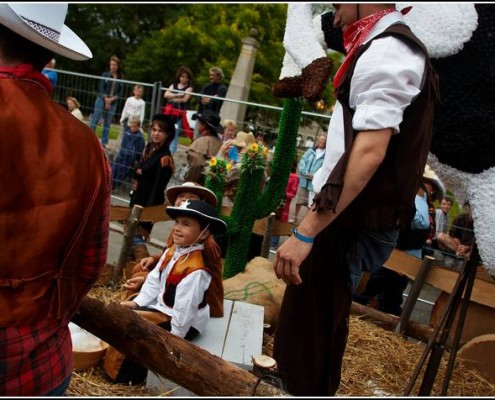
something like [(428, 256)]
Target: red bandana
[(354, 37), (26, 72)]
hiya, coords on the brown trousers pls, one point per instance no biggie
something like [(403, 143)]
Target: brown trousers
[(313, 324)]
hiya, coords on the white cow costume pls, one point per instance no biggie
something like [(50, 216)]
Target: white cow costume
[(460, 38)]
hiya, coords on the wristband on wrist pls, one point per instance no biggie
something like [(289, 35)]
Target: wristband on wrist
[(302, 238)]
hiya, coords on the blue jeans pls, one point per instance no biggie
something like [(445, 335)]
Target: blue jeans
[(372, 250), (60, 389), (178, 131), (99, 112)]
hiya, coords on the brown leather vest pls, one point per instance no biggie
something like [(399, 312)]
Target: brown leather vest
[(184, 266), (387, 201), (53, 191)]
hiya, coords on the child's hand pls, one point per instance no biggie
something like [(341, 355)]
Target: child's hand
[(134, 283), (129, 304), (147, 263)]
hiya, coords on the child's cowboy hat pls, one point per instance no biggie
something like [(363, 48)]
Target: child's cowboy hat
[(192, 187), (43, 24), (200, 210)]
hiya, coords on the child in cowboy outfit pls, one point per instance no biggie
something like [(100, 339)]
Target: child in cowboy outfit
[(174, 293)]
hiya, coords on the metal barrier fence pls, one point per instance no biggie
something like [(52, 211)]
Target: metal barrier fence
[(260, 118)]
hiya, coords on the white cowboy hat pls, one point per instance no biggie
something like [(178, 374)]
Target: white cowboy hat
[(431, 176), (243, 139), (43, 24)]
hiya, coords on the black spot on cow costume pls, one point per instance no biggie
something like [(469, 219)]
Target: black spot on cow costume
[(460, 38)]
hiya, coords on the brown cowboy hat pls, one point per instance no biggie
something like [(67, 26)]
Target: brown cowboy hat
[(211, 119), (203, 193)]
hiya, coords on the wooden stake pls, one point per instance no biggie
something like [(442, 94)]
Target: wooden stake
[(132, 224)]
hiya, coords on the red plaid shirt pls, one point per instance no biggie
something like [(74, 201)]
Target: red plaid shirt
[(34, 359)]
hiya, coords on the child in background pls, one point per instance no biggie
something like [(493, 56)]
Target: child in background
[(74, 107), (134, 107), (174, 293), (130, 151)]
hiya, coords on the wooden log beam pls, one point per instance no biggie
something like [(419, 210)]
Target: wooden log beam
[(168, 355), (132, 224), (389, 322)]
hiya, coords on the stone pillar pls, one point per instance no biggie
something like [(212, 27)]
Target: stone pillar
[(241, 80)]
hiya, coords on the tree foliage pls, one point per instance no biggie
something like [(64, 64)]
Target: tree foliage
[(154, 40)]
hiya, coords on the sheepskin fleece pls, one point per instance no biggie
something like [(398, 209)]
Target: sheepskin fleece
[(479, 189), (443, 28), (299, 34), (463, 147)]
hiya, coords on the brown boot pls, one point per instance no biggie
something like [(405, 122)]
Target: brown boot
[(288, 87), (314, 78)]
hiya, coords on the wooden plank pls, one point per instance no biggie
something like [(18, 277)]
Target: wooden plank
[(119, 213), (216, 330), (479, 320), (440, 277), (236, 337), (158, 214), (149, 214), (245, 334), (279, 228)]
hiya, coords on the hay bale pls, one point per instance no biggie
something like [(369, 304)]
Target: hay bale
[(259, 285)]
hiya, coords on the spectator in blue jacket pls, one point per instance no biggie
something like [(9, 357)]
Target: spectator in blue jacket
[(311, 161), (108, 95)]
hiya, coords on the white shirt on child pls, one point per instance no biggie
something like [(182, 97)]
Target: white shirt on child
[(133, 108), (189, 294)]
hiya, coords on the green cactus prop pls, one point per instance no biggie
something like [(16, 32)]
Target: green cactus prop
[(215, 178), (253, 202)]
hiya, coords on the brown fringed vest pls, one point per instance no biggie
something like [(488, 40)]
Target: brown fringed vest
[(387, 201), (53, 190), (184, 266)]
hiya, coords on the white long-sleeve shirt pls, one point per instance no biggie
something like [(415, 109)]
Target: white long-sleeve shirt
[(133, 108), (386, 79), (189, 294)]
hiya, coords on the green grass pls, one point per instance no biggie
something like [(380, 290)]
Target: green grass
[(114, 131), (184, 140)]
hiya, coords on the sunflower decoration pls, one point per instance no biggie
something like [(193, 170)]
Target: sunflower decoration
[(218, 168), (254, 157)]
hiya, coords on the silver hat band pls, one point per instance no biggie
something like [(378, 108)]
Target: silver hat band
[(44, 30)]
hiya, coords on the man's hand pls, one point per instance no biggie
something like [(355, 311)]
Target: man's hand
[(289, 258)]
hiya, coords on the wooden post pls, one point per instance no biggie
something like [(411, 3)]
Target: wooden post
[(267, 237), (132, 224), (168, 355), (414, 294)]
